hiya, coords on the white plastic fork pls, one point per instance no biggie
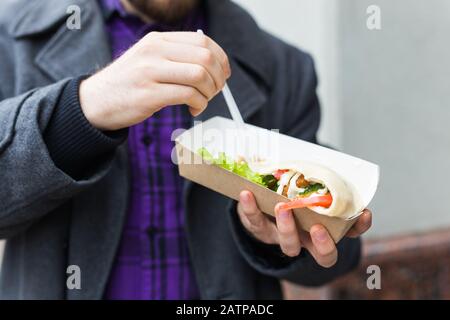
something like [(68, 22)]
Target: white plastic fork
[(231, 103)]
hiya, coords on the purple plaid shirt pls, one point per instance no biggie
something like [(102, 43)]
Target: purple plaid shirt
[(152, 261)]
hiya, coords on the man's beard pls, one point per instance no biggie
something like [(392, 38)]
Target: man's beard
[(164, 11)]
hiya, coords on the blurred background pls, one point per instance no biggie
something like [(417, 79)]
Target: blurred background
[(385, 98)]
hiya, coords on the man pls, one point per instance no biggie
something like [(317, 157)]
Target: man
[(86, 178)]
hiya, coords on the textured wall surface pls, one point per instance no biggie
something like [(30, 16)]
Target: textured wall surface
[(395, 102), (384, 95)]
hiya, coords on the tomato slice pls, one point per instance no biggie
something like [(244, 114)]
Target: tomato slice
[(313, 201), (279, 173)]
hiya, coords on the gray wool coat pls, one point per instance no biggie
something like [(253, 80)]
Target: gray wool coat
[(52, 221)]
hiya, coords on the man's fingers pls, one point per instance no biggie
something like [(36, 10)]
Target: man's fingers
[(200, 40), (187, 74), (323, 247), (254, 220), (175, 94), (288, 235), (186, 53), (363, 224), (250, 209)]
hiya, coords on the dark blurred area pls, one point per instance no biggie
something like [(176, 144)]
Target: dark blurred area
[(414, 266)]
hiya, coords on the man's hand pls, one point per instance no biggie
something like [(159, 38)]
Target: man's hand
[(162, 69), (285, 233)]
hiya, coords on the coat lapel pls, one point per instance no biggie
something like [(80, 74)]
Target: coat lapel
[(71, 53)]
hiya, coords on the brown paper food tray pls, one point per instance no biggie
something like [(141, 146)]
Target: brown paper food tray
[(192, 167)]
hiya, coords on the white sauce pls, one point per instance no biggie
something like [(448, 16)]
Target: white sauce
[(291, 178), (284, 180), (293, 190)]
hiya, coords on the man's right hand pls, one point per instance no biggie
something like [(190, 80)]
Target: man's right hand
[(162, 69)]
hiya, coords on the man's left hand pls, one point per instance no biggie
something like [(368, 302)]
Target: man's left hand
[(291, 239)]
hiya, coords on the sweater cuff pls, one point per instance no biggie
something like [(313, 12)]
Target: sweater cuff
[(73, 143)]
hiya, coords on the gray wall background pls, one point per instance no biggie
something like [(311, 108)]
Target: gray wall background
[(385, 95), (395, 102)]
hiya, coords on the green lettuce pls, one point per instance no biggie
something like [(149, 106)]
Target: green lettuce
[(240, 168), (311, 189)]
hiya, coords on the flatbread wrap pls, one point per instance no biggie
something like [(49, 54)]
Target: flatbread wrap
[(313, 186), (305, 184)]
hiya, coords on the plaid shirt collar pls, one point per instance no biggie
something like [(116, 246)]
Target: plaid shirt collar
[(110, 8)]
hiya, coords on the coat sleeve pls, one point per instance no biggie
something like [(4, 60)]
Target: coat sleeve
[(302, 105), (31, 184)]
